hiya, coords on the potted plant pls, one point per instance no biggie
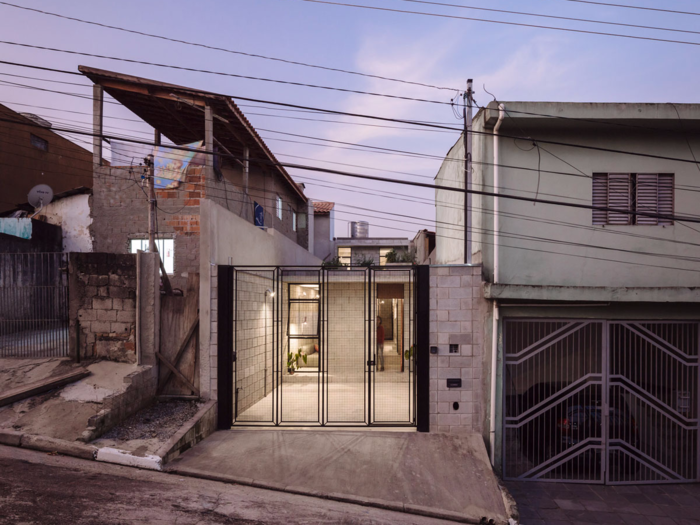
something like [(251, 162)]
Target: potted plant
[(366, 261), (293, 361), (408, 353), (335, 262), (392, 256)]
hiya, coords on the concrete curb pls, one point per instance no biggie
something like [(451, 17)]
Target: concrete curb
[(344, 498), (46, 444), (192, 432), (123, 457)]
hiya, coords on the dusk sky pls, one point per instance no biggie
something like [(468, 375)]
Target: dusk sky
[(514, 63)]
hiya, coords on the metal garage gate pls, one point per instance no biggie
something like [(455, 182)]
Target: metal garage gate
[(610, 402)]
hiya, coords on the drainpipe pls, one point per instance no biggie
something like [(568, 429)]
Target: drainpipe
[(494, 328)]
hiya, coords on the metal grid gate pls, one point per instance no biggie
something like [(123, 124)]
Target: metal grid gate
[(611, 402), (34, 320), (306, 349)]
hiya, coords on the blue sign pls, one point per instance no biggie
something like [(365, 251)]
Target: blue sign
[(259, 214)]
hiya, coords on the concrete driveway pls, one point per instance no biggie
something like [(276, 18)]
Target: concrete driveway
[(579, 504), (437, 475)]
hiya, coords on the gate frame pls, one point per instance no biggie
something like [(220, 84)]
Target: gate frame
[(226, 352), (605, 385)]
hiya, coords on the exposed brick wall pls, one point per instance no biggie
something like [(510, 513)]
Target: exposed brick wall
[(103, 300), (457, 316)]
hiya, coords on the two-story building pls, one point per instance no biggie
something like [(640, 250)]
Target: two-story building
[(593, 373), (234, 170)]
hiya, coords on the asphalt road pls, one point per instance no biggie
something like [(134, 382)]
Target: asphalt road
[(38, 488)]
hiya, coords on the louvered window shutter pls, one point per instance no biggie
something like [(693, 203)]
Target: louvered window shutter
[(600, 197), (619, 197), (647, 197), (666, 196)]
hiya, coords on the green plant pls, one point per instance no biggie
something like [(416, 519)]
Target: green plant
[(392, 256), (408, 257), (293, 360), (335, 262), (366, 261), (408, 353)]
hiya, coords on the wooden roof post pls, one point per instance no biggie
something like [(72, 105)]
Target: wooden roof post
[(209, 141), (97, 111)]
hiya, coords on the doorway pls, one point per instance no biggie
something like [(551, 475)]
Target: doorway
[(306, 349)]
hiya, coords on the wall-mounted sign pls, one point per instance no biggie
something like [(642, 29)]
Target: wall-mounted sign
[(259, 214)]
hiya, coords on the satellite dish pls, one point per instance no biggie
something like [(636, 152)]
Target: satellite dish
[(40, 196)]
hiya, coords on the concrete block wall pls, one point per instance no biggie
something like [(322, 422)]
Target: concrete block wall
[(253, 339), (457, 316), (102, 298)]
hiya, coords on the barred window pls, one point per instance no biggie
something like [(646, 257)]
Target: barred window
[(637, 192)]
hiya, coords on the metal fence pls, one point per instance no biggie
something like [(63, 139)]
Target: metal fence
[(601, 401), (307, 350), (34, 320)]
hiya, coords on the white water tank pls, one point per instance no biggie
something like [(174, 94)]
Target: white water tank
[(359, 229)]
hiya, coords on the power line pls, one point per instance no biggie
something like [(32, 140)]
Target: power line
[(216, 48), (634, 7), (223, 73), (506, 234), (502, 22), (420, 123), (385, 179), (539, 15)]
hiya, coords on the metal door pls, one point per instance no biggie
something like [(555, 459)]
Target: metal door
[(34, 319), (601, 401), (554, 376), (653, 402)]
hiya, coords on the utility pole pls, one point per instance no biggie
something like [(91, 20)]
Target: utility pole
[(151, 204), (467, 114)]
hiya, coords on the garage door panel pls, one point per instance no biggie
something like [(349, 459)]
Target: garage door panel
[(601, 401), (653, 381), (551, 386)]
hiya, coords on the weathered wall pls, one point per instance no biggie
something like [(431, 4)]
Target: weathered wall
[(103, 300), (572, 251), (63, 167), (323, 241), (72, 214), (120, 213), (458, 315)]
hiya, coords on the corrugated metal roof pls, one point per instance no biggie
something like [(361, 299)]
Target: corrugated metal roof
[(323, 207), (177, 112)]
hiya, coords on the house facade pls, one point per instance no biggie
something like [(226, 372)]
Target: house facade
[(243, 177), (32, 154), (595, 311)]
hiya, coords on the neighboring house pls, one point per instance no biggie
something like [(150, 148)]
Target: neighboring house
[(360, 248), (244, 177), (31, 154), (324, 229), (596, 312), (70, 212), (424, 244)]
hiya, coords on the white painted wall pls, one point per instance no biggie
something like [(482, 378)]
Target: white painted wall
[(72, 214)]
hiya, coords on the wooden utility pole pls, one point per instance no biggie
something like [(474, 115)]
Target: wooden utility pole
[(151, 204), (467, 114)]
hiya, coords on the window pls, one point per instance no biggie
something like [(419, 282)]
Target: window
[(294, 219), (345, 255), (166, 248), (38, 142), (640, 192), (279, 207), (382, 255)]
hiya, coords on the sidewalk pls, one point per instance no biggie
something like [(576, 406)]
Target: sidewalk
[(437, 475)]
